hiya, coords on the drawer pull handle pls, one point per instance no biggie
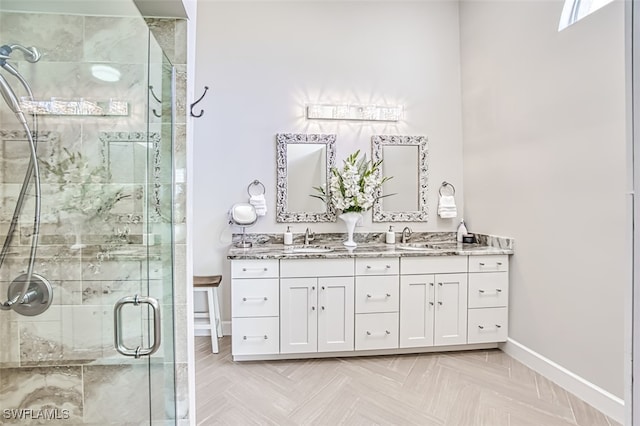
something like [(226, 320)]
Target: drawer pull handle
[(498, 326), (255, 337), (386, 332), (386, 296), (313, 308), (498, 291), (385, 268), (430, 303), (498, 265), (246, 299), (254, 269)]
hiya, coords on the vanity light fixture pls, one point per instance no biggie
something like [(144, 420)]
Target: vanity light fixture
[(354, 112)]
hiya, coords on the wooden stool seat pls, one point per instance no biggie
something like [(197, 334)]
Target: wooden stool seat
[(207, 280), (209, 284)]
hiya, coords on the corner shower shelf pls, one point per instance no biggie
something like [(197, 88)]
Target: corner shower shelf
[(78, 107)]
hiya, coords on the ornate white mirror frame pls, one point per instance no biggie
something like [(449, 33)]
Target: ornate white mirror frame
[(414, 169), (283, 140), (133, 140)]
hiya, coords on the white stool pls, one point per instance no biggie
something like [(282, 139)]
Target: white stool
[(209, 285)]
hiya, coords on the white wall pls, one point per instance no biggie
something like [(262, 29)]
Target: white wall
[(265, 60), (545, 163)]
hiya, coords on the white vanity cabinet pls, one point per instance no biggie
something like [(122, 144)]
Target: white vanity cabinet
[(488, 298), (302, 308), (255, 305), (316, 305), (377, 303), (433, 301)]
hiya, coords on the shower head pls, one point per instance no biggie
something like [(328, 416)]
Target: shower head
[(31, 54)]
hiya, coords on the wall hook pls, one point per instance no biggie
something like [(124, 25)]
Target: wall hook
[(196, 102), (157, 100)]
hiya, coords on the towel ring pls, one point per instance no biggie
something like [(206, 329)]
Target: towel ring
[(256, 183), (446, 184)]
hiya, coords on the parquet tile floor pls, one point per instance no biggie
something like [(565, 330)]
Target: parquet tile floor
[(471, 388)]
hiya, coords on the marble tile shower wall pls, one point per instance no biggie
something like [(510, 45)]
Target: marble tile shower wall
[(64, 359)]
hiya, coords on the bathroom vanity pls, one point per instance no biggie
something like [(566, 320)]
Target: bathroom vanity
[(327, 301)]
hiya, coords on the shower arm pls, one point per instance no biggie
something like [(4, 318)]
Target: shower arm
[(31, 54)]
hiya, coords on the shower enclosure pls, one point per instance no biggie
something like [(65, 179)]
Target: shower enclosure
[(99, 348)]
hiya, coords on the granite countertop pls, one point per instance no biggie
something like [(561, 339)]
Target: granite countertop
[(431, 244)]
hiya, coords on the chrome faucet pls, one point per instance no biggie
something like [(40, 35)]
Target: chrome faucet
[(406, 234), (308, 236)]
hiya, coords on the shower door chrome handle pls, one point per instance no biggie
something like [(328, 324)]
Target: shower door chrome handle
[(117, 325)]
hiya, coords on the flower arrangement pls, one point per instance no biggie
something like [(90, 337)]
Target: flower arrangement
[(355, 187), (82, 187)]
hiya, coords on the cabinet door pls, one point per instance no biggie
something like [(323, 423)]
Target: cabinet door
[(416, 310), (451, 309), (335, 314), (298, 315)]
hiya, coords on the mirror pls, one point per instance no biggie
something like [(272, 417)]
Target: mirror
[(303, 162), (404, 158), (126, 157), (243, 214), (575, 10)]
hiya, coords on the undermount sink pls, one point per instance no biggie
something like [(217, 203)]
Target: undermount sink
[(308, 249), (414, 246), (427, 246)]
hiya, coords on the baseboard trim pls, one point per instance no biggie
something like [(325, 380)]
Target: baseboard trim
[(593, 395)]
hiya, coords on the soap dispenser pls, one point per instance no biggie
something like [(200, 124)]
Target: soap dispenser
[(288, 236), (462, 231), (390, 237)]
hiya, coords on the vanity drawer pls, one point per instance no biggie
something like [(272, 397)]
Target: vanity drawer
[(316, 268), (255, 298), (254, 269), (377, 294), (487, 325), (488, 290), (494, 263), (376, 331), (433, 264), (375, 266), (254, 336)]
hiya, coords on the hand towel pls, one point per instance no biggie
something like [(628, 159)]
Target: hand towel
[(447, 207), (259, 203)]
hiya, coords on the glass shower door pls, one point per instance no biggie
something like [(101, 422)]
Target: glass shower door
[(105, 155)]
